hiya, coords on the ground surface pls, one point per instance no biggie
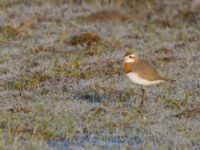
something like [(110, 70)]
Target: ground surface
[(61, 79)]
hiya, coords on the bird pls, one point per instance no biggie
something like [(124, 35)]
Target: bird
[(141, 72)]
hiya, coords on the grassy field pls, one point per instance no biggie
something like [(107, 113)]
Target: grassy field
[(62, 84)]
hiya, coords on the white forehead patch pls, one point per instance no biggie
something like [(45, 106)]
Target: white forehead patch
[(127, 59)]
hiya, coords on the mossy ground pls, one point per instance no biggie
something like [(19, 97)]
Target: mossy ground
[(61, 75)]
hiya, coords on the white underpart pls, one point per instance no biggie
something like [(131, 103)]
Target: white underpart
[(136, 79)]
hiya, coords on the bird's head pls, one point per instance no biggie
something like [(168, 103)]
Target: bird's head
[(129, 57)]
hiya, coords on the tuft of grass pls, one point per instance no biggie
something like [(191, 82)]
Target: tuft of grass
[(188, 113), (9, 31), (14, 32), (108, 15), (87, 38), (28, 83), (45, 48), (174, 103)]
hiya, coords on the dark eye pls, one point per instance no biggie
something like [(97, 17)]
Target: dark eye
[(131, 57)]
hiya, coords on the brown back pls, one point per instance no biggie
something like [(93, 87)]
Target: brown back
[(145, 70)]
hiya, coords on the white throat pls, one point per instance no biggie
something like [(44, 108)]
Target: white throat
[(128, 60)]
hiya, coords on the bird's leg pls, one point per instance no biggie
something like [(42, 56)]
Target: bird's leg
[(143, 95)]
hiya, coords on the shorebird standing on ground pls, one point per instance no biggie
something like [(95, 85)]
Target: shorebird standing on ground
[(141, 72)]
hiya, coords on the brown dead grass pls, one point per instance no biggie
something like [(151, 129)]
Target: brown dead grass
[(108, 15), (21, 109), (11, 31), (45, 48), (87, 38), (188, 113)]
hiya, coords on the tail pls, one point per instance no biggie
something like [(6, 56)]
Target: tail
[(169, 80)]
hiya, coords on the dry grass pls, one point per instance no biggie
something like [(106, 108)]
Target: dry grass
[(108, 15), (84, 39)]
